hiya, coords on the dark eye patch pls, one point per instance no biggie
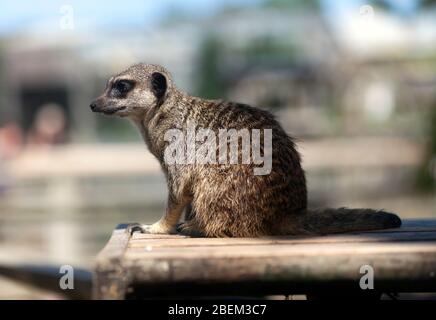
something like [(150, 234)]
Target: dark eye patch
[(121, 87)]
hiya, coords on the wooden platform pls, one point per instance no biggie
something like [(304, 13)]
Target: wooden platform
[(135, 265)]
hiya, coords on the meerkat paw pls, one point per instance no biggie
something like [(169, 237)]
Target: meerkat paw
[(135, 227), (189, 229), (155, 228)]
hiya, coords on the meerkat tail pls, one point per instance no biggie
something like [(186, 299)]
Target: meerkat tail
[(331, 220)]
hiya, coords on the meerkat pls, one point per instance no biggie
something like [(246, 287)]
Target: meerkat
[(225, 200)]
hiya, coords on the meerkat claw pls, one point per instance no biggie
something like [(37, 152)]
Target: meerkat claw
[(142, 228)]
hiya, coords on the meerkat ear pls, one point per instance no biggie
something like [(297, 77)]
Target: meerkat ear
[(158, 85)]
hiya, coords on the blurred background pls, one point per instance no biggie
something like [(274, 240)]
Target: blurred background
[(353, 81)]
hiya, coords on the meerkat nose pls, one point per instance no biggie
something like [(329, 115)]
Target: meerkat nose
[(93, 106)]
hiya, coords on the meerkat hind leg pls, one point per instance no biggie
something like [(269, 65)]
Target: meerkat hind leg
[(190, 228)]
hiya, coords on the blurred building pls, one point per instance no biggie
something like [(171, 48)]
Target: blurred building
[(366, 68), (71, 69)]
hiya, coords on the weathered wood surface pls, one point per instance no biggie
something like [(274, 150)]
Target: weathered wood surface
[(132, 263)]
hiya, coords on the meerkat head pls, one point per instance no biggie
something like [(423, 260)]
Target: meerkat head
[(134, 91)]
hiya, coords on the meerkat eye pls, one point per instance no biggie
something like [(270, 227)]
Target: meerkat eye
[(124, 86), (121, 87)]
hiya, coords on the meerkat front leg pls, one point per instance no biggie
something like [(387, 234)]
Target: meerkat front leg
[(168, 223)]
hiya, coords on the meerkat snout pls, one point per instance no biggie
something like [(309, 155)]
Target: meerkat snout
[(133, 92), (114, 98)]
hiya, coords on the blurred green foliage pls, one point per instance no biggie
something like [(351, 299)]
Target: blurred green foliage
[(294, 4), (267, 49), (214, 75), (2, 86), (426, 3), (115, 129), (390, 5), (209, 82), (426, 174)]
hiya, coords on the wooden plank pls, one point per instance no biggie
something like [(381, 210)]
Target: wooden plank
[(402, 258), (311, 262), (110, 278), (261, 251), (140, 242), (425, 224), (117, 244), (302, 266)]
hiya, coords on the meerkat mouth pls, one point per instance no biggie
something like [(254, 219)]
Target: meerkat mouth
[(113, 110)]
